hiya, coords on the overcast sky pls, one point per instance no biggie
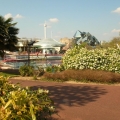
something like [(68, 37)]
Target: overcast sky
[(101, 18)]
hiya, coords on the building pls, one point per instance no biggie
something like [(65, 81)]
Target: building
[(45, 46)]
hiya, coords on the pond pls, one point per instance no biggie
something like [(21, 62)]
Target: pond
[(35, 63)]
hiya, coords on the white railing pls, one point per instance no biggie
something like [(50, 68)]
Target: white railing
[(15, 61), (25, 57)]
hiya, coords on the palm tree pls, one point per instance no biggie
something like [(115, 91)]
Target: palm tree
[(8, 35)]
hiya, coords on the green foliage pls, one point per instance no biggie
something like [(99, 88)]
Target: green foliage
[(40, 70), (61, 68), (8, 35), (55, 68), (113, 43), (7, 74), (51, 68), (26, 70), (17, 103), (99, 59)]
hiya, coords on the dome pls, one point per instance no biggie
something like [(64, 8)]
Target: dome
[(48, 43), (20, 44)]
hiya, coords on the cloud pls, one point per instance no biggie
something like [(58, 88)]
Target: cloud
[(115, 31), (9, 15), (53, 20), (117, 10), (18, 16), (105, 33)]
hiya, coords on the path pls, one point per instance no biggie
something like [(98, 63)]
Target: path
[(81, 101)]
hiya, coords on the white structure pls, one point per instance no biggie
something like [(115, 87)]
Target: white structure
[(45, 26), (48, 45)]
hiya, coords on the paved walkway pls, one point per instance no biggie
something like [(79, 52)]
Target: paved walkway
[(81, 101)]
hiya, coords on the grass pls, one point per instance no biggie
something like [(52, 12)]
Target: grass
[(8, 74)]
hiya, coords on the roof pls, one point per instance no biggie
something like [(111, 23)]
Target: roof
[(19, 44), (48, 43)]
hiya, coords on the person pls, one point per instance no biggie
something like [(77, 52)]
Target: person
[(40, 52), (37, 54), (45, 53), (55, 52)]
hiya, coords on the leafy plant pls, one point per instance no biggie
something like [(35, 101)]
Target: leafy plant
[(40, 70), (95, 59), (18, 103), (61, 68), (26, 70), (8, 35), (54, 68)]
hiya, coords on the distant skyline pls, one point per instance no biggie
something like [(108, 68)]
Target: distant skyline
[(64, 17)]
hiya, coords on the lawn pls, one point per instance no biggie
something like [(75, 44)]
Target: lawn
[(8, 74)]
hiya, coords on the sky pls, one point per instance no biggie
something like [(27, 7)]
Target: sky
[(101, 18)]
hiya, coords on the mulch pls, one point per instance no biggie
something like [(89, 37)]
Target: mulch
[(80, 101)]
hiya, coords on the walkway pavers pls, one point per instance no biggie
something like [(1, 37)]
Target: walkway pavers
[(81, 101)]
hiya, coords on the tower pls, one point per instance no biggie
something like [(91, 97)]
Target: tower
[(45, 33)]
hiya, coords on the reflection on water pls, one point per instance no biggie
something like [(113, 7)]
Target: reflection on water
[(18, 64)]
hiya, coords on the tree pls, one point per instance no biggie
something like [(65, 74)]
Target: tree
[(111, 43), (8, 35)]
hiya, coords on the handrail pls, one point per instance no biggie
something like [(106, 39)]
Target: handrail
[(11, 58)]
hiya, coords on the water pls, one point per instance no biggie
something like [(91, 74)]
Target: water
[(16, 61), (18, 64)]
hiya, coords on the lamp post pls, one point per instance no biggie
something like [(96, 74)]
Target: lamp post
[(46, 57), (28, 55), (29, 45)]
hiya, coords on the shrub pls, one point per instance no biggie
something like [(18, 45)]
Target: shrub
[(26, 70), (84, 75), (95, 59), (61, 68), (48, 69), (18, 103), (39, 71), (55, 68), (52, 69)]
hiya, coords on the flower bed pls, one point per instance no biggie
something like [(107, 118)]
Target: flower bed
[(95, 59)]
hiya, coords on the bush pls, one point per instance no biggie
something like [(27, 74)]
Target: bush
[(55, 68), (26, 70), (61, 68), (95, 59), (39, 71), (84, 75), (52, 68), (18, 103)]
